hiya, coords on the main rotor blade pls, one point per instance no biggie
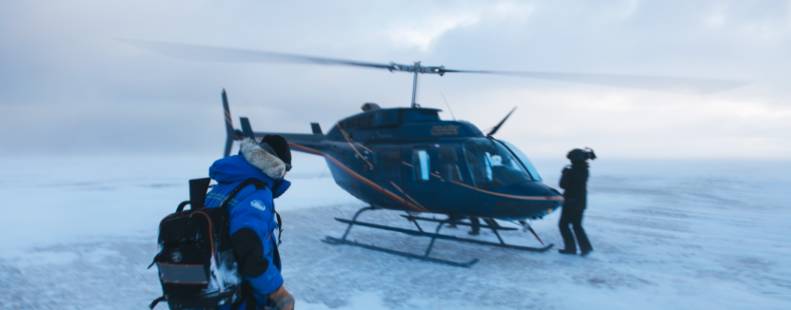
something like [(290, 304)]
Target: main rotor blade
[(667, 83), (222, 54), (500, 124)]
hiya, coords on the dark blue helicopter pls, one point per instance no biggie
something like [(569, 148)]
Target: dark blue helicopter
[(400, 158), (410, 160)]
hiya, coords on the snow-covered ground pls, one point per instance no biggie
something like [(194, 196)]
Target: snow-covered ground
[(77, 233)]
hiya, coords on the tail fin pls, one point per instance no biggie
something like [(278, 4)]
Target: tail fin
[(230, 133), (247, 129), (308, 143), (316, 128)]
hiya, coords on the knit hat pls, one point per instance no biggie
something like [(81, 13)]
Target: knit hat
[(278, 146), (580, 155)]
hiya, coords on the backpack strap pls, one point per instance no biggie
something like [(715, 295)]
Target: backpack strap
[(258, 185)]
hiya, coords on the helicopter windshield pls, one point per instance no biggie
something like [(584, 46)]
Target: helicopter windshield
[(492, 164), (523, 158)]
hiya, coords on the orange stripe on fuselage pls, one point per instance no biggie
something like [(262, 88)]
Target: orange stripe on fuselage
[(519, 197), (407, 203), (359, 177), (481, 190)]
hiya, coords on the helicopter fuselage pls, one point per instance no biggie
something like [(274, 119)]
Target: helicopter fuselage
[(408, 159)]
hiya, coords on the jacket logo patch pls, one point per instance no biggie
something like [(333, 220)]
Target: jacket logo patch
[(258, 204)]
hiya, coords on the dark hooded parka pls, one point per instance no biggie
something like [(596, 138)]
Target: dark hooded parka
[(574, 182)]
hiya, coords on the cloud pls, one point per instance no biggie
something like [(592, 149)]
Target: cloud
[(631, 124), (65, 74), (421, 36), (422, 33)]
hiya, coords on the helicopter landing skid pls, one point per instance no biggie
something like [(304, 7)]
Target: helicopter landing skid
[(422, 233), (425, 257)]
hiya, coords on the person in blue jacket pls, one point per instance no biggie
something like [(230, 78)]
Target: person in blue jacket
[(252, 220)]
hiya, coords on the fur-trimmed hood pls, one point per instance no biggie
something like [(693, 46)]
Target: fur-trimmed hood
[(252, 162), (269, 164)]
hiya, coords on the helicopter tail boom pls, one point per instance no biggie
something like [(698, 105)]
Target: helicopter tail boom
[(307, 143), (301, 142)]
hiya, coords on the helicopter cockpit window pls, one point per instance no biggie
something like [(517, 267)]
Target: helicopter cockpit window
[(491, 164), (422, 165)]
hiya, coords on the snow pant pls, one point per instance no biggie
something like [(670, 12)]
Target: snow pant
[(572, 216), (475, 225)]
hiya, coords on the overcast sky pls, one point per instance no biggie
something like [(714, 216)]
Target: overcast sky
[(70, 84)]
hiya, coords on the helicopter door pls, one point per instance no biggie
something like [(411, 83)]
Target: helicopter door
[(448, 163), (388, 163)]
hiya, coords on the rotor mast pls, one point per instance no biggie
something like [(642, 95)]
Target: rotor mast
[(416, 69)]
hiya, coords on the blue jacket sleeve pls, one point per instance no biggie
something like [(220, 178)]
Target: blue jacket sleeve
[(252, 225)]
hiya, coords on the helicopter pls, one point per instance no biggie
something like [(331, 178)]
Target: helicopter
[(409, 160)]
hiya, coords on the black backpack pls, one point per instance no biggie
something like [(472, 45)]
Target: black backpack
[(197, 268)]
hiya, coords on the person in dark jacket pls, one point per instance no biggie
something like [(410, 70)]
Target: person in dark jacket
[(574, 182), (252, 221)]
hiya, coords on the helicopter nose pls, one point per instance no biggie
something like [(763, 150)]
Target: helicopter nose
[(541, 189), (534, 200), (553, 192), (538, 192)]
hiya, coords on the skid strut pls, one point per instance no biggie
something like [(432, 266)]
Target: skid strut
[(420, 232)]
